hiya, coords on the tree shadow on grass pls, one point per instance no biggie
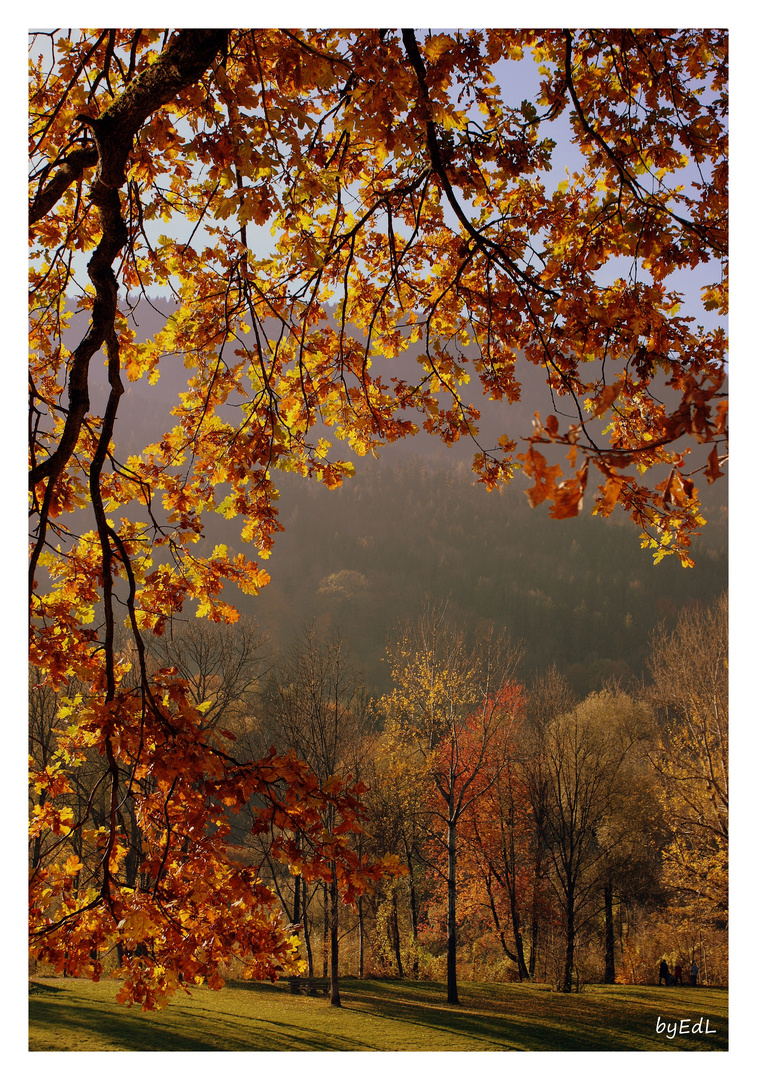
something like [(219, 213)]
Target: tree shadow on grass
[(61, 1019), (492, 1033), (537, 1021), (377, 1015)]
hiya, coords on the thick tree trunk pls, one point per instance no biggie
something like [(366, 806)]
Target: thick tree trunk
[(609, 935), (452, 997), (518, 935), (534, 945)]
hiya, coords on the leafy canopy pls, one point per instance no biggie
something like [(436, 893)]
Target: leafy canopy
[(352, 227)]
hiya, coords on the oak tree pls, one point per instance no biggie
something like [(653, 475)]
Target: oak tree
[(351, 226)]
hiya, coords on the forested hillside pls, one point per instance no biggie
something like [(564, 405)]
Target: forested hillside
[(580, 593)]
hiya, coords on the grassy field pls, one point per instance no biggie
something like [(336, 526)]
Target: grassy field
[(71, 1014)]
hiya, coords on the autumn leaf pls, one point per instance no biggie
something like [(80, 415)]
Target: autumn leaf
[(543, 475), (611, 490), (568, 496), (713, 470)]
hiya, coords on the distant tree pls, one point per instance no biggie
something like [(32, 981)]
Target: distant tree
[(449, 706), (630, 841), (396, 802), (689, 670), (222, 665), (587, 755), (496, 838), (44, 721), (315, 705), (402, 202), (548, 696)]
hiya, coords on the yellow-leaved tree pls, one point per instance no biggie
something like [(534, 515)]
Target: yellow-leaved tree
[(450, 710), (689, 668)]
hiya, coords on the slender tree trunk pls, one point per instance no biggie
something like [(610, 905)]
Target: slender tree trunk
[(326, 924), (360, 940), (334, 931), (452, 997), (535, 927), (609, 935), (294, 982), (413, 910), (509, 865), (496, 920), (37, 846), (306, 933), (396, 936), (570, 941)]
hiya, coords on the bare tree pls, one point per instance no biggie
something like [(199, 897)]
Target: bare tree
[(314, 703), (586, 768), (222, 665), (548, 695)]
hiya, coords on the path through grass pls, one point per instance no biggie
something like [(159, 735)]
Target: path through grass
[(71, 1014)]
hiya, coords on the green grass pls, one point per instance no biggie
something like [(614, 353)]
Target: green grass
[(72, 1014)]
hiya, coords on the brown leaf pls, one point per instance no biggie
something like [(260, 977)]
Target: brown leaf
[(713, 470), (611, 489)]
